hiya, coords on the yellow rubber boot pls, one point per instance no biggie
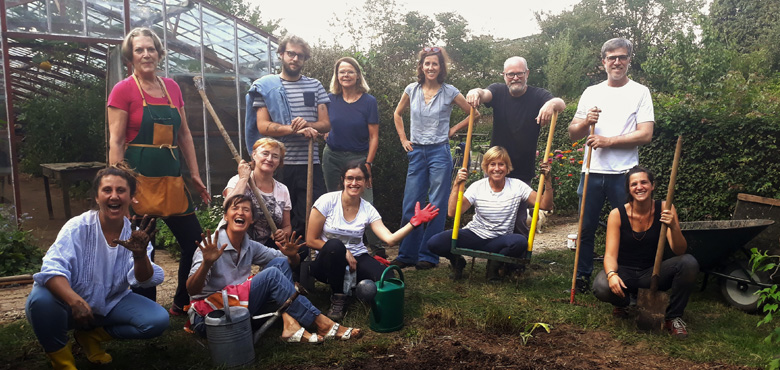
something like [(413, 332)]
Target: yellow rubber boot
[(62, 359), (90, 341)]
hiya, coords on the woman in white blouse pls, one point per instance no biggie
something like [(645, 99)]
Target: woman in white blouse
[(86, 275), (336, 226)]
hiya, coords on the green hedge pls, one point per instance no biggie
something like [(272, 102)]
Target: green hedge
[(730, 147)]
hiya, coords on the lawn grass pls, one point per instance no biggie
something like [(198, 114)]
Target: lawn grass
[(718, 332)]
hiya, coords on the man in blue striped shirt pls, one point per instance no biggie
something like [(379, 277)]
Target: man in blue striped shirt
[(307, 101)]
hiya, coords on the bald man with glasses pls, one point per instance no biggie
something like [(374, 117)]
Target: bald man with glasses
[(519, 111)]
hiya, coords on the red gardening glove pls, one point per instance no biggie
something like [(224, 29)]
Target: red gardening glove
[(424, 215)]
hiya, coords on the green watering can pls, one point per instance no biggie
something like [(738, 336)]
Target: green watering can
[(387, 309)]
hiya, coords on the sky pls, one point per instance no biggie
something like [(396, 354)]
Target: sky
[(499, 18)]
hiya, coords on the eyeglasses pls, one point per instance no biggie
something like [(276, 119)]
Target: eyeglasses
[(429, 49), (354, 179), (512, 75), (613, 58), (292, 55), (266, 154), (347, 73)]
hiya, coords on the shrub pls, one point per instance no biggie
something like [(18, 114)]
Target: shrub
[(67, 127), (730, 146), (769, 300), (19, 253), (208, 217)]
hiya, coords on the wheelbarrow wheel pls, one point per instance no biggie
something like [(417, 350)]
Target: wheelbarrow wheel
[(739, 294)]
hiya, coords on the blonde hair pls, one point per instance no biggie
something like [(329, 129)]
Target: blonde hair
[(496, 153), (273, 144), (335, 86), (127, 43)]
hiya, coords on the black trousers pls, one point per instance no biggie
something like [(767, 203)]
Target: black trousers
[(331, 264), (678, 276)]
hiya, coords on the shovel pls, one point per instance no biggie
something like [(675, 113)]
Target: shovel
[(535, 217), (466, 160), (307, 280), (199, 85), (651, 302), (582, 215)]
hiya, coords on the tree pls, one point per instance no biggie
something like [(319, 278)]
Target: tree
[(748, 26), (249, 14), (565, 63)]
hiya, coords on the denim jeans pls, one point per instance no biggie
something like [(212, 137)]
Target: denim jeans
[(678, 276), (134, 317), (273, 283), (430, 169), (611, 187)]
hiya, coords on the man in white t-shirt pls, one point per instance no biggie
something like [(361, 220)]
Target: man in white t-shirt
[(622, 112)]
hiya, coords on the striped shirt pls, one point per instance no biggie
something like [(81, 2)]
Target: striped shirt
[(304, 95), (98, 273), (495, 212)]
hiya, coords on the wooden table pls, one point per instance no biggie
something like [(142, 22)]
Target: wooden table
[(66, 174)]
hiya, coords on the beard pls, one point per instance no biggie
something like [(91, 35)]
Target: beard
[(291, 72), (517, 88)]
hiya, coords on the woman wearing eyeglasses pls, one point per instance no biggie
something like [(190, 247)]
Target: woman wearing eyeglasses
[(430, 102), (148, 129), (336, 226), (354, 129), (267, 157)]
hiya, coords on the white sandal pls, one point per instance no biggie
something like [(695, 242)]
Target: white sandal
[(298, 336), (346, 336)]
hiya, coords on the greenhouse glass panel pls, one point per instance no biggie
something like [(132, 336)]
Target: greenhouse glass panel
[(183, 39), (67, 17), (104, 19), (27, 17)]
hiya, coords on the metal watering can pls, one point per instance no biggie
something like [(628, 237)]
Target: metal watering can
[(229, 332), (387, 308)]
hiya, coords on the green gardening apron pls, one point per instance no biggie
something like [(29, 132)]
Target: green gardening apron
[(153, 153)]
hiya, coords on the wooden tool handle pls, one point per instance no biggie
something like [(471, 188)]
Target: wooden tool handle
[(201, 89), (659, 252), (582, 214), (237, 157), (309, 188)]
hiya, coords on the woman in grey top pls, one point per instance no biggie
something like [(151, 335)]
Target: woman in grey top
[(430, 101)]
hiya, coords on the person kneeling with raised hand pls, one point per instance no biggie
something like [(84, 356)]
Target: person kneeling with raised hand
[(224, 262), (86, 275)]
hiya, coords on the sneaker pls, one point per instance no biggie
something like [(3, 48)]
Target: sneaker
[(424, 265), (582, 285), (620, 312), (676, 328), (457, 265), (401, 264), (338, 307)]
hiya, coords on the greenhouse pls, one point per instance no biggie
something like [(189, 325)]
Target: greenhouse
[(49, 46)]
